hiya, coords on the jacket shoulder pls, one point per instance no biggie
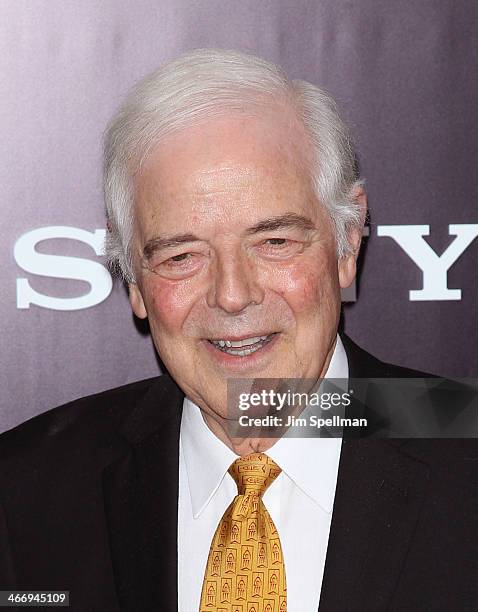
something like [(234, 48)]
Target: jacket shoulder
[(77, 425), (363, 364)]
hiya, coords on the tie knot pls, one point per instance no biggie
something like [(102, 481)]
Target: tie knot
[(254, 473)]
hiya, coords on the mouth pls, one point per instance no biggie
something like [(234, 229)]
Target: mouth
[(243, 346)]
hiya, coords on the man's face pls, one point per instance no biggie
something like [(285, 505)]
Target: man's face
[(232, 247)]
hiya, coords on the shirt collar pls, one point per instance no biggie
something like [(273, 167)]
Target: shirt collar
[(311, 463), (206, 457)]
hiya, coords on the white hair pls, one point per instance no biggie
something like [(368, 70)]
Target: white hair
[(208, 83)]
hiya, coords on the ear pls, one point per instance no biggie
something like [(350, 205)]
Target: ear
[(136, 301), (347, 265)]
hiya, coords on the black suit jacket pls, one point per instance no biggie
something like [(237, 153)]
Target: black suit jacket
[(88, 503)]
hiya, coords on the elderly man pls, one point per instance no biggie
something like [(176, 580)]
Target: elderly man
[(235, 215)]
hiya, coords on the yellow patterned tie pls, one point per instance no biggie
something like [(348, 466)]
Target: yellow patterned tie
[(245, 568)]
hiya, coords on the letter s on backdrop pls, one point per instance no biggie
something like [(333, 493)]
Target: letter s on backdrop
[(59, 266)]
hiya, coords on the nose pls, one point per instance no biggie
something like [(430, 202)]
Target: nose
[(234, 285)]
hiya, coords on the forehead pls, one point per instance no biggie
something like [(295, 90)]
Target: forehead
[(253, 164)]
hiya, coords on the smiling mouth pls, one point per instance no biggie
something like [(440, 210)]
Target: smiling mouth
[(243, 347)]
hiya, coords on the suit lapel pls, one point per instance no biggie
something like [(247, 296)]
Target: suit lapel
[(380, 490), (141, 496), (377, 503)]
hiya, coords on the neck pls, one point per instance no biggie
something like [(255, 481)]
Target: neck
[(241, 446), (245, 446)]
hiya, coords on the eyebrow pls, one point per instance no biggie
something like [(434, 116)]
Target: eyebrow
[(288, 220), (282, 222), (158, 243)]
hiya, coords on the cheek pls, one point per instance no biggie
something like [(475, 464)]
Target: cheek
[(305, 286), (167, 303)]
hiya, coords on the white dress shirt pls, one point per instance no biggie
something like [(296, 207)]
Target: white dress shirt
[(303, 494)]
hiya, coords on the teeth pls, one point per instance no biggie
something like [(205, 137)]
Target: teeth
[(239, 343), (241, 347)]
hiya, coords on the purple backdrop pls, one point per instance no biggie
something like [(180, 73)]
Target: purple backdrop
[(403, 74)]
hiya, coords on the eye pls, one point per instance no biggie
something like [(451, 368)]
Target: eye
[(280, 248), (178, 262), (180, 257), (276, 241), (274, 245), (179, 266)]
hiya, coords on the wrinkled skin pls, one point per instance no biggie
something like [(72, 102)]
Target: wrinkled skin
[(210, 185)]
